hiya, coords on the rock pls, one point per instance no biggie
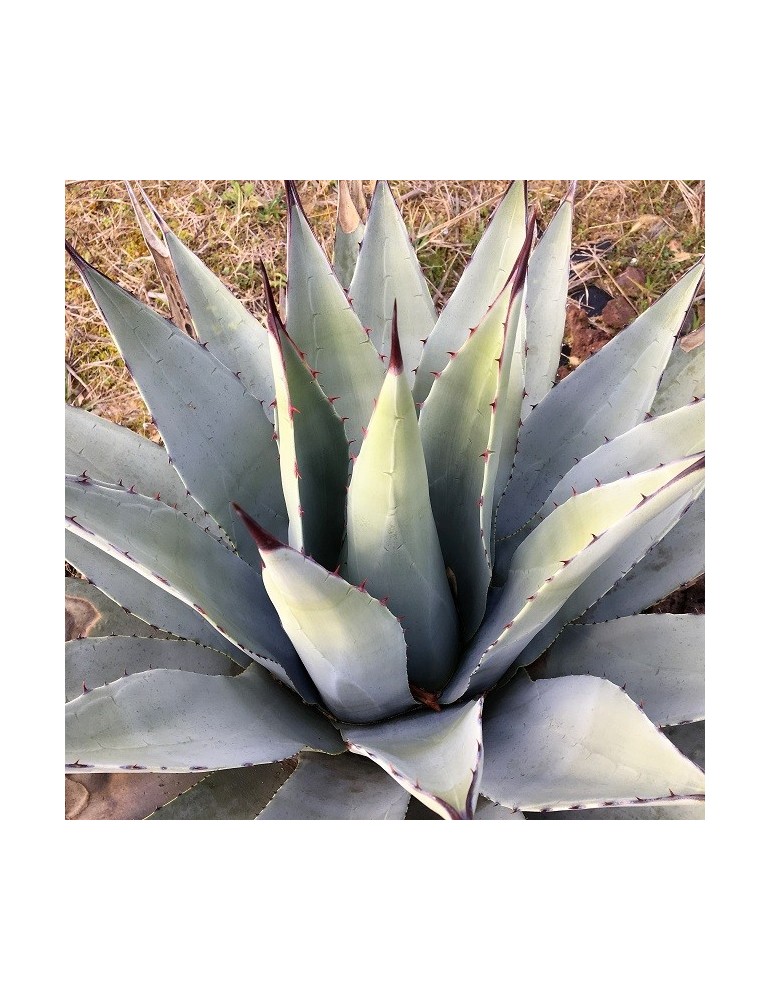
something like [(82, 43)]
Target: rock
[(618, 314)]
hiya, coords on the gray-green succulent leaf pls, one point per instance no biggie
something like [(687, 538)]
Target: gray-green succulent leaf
[(577, 743), (657, 659), (437, 757), (349, 233), (392, 545), (337, 594), (351, 645), (387, 271), (167, 549), (91, 663), (177, 720), (342, 787), (547, 289), (604, 397), (560, 555), (321, 322), (131, 598), (313, 450), (478, 287), (222, 455)]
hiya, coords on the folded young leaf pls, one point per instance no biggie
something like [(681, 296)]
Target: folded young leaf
[(325, 328), (128, 599), (174, 720), (578, 742), (437, 757), (480, 284), (223, 455), (342, 787), (657, 659), (547, 290), (180, 311), (349, 233), (351, 645), (391, 541), (388, 270), (313, 449), (607, 395), (560, 554), (463, 443), (167, 549), (90, 663)]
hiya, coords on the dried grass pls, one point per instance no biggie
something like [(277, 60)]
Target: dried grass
[(659, 225)]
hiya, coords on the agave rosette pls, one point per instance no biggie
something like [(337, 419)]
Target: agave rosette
[(387, 546)]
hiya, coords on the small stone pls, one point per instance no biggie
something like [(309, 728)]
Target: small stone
[(617, 314)]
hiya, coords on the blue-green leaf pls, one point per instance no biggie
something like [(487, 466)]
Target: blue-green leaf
[(391, 540), (175, 720), (388, 270)]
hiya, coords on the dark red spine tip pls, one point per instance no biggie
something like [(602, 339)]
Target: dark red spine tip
[(274, 320), (519, 271), (264, 540), (291, 193), (396, 364)]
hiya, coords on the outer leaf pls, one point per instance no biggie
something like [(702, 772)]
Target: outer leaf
[(136, 598), (174, 720), (657, 659), (683, 378), (180, 311), (232, 334), (326, 329), (388, 270), (556, 559), (604, 397), (480, 284), (677, 560), (349, 232), (164, 547), (675, 810), (547, 289), (239, 793), (221, 456), (90, 663), (437, 757), (109, 453), (489, 810), (313, 449), (578, 742), (351, 645), (344, 787), (455, 428), (505, 420), (391, 541)]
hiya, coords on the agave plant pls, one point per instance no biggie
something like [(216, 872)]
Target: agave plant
[(392, 558)]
